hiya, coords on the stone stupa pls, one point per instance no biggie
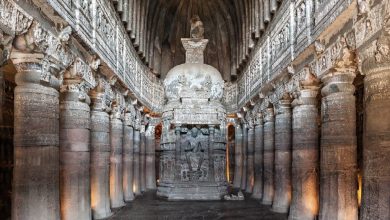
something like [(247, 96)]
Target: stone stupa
[(193, 143)]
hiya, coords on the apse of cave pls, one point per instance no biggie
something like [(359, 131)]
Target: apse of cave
[(195, 109)]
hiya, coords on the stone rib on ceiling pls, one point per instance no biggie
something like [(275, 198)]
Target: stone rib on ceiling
[(232, 27)]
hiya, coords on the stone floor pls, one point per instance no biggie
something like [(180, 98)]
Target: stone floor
[(149, 207)]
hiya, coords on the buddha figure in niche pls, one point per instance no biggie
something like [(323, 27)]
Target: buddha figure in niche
[(194, 154)]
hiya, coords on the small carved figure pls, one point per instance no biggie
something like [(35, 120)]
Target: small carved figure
[(197, 29), (310, 79), (65, 33)]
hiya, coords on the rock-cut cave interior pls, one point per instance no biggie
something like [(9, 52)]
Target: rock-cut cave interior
[(195, 109)]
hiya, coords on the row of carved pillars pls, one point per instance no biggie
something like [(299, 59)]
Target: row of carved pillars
[(73, 159), (309, 169)]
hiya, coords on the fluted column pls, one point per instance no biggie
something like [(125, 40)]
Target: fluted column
[(305, 153), (75, 186), (250, 160), (244, 155), (268, 156), (116, 165), (282, 176), (150, 157), (100, 153), (136, 177), (128, 157), (258, 163), (238, 157), (142, 160), (338, 192), (376, 146), (36, 145)]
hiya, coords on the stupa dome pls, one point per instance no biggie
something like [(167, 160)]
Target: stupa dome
[(193, 80)]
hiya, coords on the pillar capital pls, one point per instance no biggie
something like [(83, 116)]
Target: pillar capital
[(78, 79), (118, 107), (307, 92), (250, 119), (129, 115), (269, 115), (102, 95), (44, 52), (284, 104), (150, 131), (258, 119)]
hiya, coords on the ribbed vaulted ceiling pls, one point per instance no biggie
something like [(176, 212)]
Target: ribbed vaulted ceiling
[(232, 27)]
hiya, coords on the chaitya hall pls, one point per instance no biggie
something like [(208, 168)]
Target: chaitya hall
[(195, 109)]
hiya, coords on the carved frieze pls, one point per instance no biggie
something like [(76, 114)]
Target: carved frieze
[(14, 18), (79, 77), (96, 23)]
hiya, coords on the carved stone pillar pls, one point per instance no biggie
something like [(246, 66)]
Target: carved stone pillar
[(338, 192), (258, 155), (282, 175), (150, 157), (376, 147), (136, 177), (142, 161), (268, 156), (250, 160), (36, 144), (244, 155), (305, 149), (128, 157), (238, 157), (75, 127), (116, 165), (39, 58), (100, 152), (211, 153), (177, 152)]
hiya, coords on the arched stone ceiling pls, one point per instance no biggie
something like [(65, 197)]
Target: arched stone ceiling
[(232, 27)]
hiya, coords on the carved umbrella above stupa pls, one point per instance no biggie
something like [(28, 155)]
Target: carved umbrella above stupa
[(193, 136)]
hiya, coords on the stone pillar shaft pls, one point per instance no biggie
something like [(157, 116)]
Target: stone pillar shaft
[(258, 163), (116, 169), (211, 153), (150, 160), (142, 162), (268, 157), (128, 160), (177, 153), (376, 146), (100, 159), (338, 192), (238, 157), (136, 173), (36, 146), (244, 156), (250, 161), (282, 175), (75, 183), (305, 200)]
